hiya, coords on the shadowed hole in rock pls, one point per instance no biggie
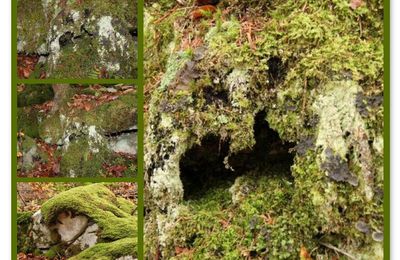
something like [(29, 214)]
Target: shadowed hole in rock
[(202, 167), (276, 70)]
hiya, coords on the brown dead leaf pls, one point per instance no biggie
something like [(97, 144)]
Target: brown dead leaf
[(304, 255), (225, 223), (182, 250), (354, 4)]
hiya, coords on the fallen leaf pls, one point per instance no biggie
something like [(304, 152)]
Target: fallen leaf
[(354, 4), (304, 255)]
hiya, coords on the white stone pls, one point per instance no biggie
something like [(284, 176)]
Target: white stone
[(70, 227), (125, 143)]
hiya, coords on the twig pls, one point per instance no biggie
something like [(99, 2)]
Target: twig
[(338, 250), (22, 199)]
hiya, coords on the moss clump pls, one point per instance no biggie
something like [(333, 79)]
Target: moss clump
[(110, 251), (115, 116), (35, 94), (98, 203), (32, 17), (82, 159), (25, 243), (27, 121)]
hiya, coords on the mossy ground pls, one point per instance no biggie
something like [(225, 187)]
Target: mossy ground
[(294, 60)]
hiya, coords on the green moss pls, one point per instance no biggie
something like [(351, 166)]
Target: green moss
[(31, 17), (53, 252), (317, 70), (110, 251), (51, 128), (25, 243), (115, 116), (81, 159), (35, 94), (87, 158), (98, 203), (266, 220), (27, 121)]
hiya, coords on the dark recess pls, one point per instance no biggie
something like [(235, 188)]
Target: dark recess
[(202, 167)]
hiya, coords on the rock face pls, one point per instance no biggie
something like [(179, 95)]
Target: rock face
[(305, 66), (85, 139), (70, 227), (79, 39), (41, 233), (109, 233)]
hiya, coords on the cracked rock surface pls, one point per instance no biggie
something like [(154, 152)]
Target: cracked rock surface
[(78, 39)]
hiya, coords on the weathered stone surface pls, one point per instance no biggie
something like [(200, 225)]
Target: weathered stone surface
[(125, 143), (87, 239), (69, 226), (41, 233), (86, 140), (77, 39)]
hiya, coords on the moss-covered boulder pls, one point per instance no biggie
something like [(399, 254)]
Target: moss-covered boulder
[(86, 130), (79, 39), (316, 71), (86, 221), (34, 94)]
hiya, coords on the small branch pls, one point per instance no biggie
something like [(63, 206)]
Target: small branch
[(22, 199), (338, 250)]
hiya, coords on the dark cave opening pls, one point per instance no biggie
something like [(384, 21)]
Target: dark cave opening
[(202, 167)]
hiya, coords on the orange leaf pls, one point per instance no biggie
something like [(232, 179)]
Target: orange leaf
[(304, 255)]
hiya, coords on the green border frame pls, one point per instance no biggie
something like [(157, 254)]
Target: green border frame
[(138, 82), (386, 158)]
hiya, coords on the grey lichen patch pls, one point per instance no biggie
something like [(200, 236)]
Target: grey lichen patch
[(318, 78), (80, 39), (340, 129)]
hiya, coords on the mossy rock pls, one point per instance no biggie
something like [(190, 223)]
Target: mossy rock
[(111, 117), (115, 116), (28, 121), (35, 94), (314, 71), (87, 158), (114, 216), (80, 39), (110, 251), (98, 203), (25, 243), (33, 24)]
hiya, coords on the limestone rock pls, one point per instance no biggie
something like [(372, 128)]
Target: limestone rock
[(69, 226), (41, 233)]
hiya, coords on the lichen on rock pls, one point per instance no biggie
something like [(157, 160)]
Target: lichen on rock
[(316, 72), (89, 130), (75, 39)]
